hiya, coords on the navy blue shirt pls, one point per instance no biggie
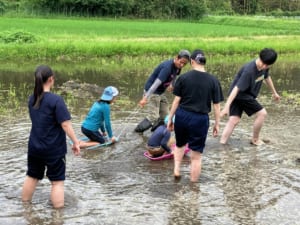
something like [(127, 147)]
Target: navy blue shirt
[(197, 91), (47, 138), (166, 72), (249, 80)]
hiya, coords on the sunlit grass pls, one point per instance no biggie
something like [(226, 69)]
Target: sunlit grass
[(208, 27), (77, 39)]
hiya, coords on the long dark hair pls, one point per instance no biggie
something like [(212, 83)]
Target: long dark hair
[(42, 73)]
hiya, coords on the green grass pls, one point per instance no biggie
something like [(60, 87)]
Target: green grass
[(208, 27), (78, 39)]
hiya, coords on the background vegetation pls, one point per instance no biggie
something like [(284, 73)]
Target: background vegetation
[(70, 39), (68, 30), (154, 9)]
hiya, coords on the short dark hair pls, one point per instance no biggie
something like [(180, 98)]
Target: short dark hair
[(184, 54), (268, 56), (199, 57)]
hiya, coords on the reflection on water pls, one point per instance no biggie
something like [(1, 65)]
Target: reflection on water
[(239, 184)]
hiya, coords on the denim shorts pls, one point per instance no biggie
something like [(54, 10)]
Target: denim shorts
[(191, 128), (56, 168), (93, 135)]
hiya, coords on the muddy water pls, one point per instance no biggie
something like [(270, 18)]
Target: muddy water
[(239, 184)]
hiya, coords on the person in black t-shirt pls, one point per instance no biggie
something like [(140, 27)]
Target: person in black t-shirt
[(194, 91), (243, 92), (47, 147)]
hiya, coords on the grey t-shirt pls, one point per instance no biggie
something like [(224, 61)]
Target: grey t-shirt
[(249, 80)]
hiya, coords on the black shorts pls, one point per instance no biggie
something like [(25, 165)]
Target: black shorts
[(250, 107), (93, 135), (56, 168)]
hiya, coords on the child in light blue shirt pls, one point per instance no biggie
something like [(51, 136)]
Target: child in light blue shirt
[(98, 118)]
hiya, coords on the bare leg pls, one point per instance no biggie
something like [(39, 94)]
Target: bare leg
[(86, 144), (258, 123), (57, 194), (28, 188), (196, 161), (230, 125), (178, 155)]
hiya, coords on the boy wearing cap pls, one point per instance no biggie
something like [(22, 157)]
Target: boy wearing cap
[(243, 92), (163, 78), (99, 118), (194, 91)]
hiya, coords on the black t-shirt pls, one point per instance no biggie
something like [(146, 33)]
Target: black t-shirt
[(197, 91), (249, 80), (47, 138)]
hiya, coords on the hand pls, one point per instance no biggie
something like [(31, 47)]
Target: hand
[(76, 148), (113, 139), (276, 97), (170, 125), (216, 129), (143, 102)]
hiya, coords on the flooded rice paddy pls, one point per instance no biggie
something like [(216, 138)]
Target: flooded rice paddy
[(239, 183)]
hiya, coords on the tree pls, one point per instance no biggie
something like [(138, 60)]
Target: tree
[(244, 6)]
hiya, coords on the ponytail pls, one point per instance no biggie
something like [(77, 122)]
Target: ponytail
[(42, 73)]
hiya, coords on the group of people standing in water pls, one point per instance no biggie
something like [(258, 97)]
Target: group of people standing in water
[(195, 92)]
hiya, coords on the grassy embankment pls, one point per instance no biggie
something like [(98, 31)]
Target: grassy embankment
[(74, 39)]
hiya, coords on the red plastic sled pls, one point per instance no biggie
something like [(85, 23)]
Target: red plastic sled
[(167, 156)]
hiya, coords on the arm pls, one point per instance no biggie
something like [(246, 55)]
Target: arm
[(270, 84), (107, 122), (67, 127), (108, 125), (230, 99), (174, 107), (162, 75), (151, 90), (216, 127), (172, 85), (102, 128)]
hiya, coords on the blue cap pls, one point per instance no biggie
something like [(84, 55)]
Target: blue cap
[(109, 93)]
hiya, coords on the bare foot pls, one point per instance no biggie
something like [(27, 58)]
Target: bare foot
[(82, 144), (223, 143), (256, 142)]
